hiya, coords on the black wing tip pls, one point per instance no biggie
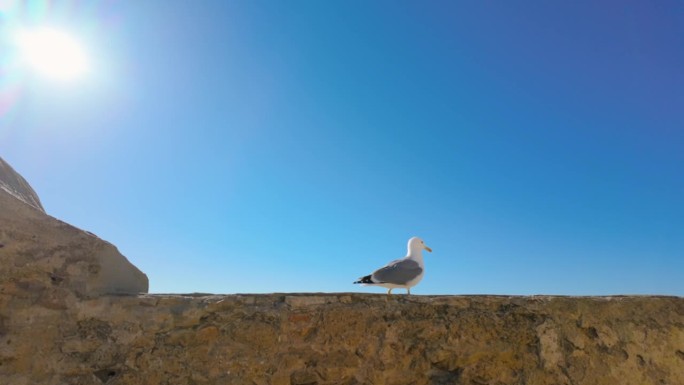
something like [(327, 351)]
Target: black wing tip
[(366, 279)]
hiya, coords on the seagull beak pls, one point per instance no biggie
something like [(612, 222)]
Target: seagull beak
[(428, 249)]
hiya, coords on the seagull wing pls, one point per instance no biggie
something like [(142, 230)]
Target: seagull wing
[(398, 272)]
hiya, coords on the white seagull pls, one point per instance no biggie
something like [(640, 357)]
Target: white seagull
[(402, 273)]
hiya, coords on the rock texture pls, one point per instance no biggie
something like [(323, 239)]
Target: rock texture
[(49, 260), (342, 338), (14, 184)]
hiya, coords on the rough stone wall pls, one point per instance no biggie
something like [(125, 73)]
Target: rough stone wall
[(341, 339)]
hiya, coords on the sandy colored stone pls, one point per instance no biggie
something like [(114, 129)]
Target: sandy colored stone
[(47, 261), (363, 339)]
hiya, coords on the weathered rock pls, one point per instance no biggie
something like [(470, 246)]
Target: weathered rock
[(343, 339), (48, 260), (14, 184)]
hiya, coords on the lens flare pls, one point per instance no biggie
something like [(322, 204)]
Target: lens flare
[(46, 45), (52, 53)]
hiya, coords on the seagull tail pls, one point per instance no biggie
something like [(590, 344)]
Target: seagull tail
[(367, 279)]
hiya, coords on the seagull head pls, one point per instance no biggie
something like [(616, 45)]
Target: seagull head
[(416, 245)]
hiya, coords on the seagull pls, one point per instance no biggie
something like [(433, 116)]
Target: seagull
[(402, 273)]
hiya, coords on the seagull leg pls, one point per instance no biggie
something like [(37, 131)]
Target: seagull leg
[(408, 290), (389, 292)]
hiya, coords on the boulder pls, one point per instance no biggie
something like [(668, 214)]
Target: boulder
[(49, 260)]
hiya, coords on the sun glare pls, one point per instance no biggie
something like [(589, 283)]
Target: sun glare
[(52, 53)]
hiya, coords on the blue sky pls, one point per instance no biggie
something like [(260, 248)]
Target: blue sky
[(266, 146)]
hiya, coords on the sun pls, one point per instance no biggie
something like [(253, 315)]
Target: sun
[(52, 53)]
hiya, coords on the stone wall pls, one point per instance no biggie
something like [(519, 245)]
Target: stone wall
[(341, 339)]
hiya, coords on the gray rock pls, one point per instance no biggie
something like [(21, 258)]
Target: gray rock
[(15, 185)]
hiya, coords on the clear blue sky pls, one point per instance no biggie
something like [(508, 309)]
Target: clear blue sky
[(270, 146)]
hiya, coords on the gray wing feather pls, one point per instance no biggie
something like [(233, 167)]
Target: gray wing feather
[(398, 272)]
